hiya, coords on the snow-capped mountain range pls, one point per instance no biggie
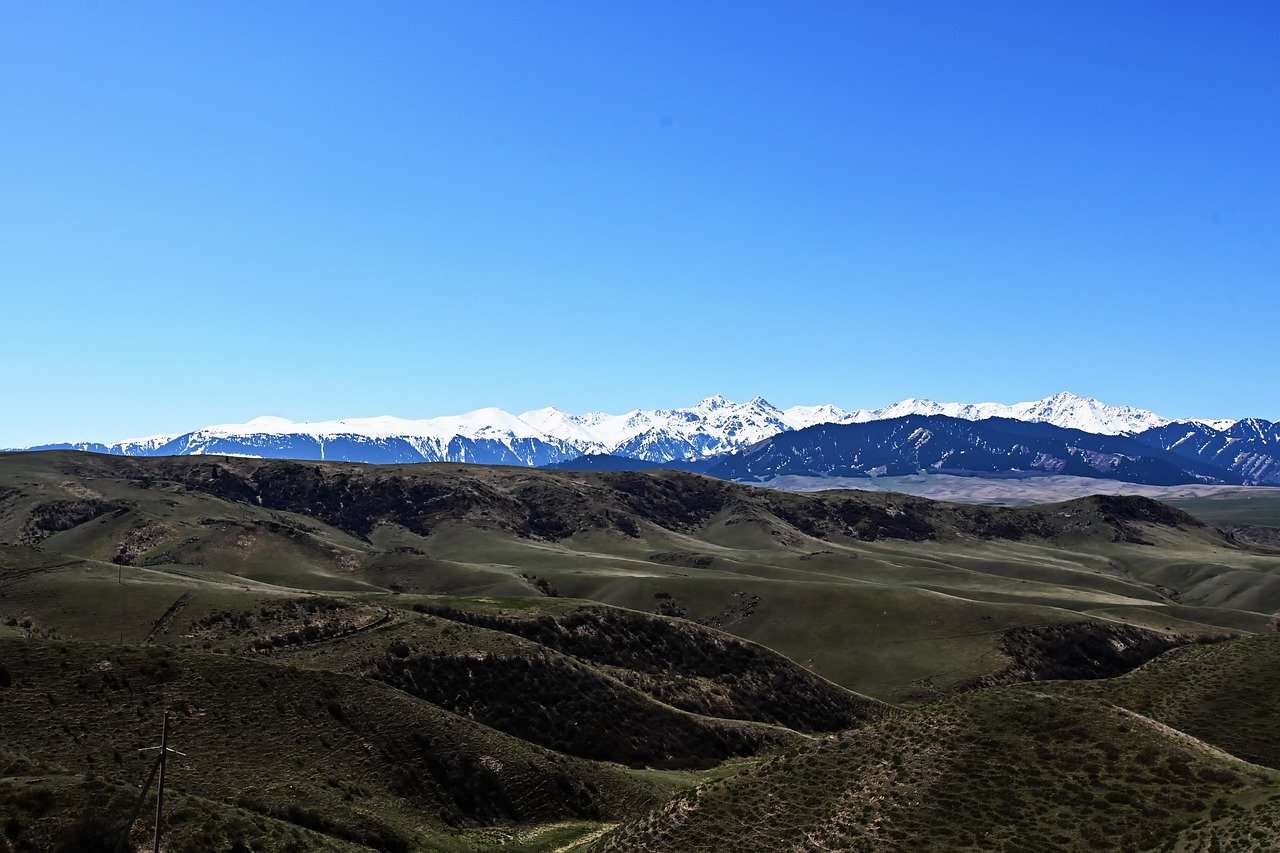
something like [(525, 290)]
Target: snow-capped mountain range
[(986, 447), (545, 436), (1064, 409)]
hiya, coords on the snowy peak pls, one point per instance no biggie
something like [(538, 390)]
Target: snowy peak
[(481, 423), (1063, 409), (712, 426), (967, 411), (141, 446), (740, 423), (712, 403), (1218, 425), (802, 417), (983, 447), (1086, 413), (574, 429)]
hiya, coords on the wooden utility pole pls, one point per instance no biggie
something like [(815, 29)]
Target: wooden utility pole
[(164, 755), (157, 769)]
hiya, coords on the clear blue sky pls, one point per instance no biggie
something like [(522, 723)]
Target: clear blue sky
[(210, 211)]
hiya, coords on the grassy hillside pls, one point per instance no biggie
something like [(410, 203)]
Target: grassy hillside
[(687, 665), (1000, 769), (895, 597), (67, 813), (372, 760), (1256, 506), (444, 657), (1226, 694)]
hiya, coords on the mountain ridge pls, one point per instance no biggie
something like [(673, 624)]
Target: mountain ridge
[(994, 449), (711, 427), (995, 446), (943, 444)]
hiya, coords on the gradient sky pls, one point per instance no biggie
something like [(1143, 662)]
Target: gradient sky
[(211, 211)]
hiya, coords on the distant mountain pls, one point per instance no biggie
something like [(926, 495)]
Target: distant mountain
[(944, 444), (1063, 409), (608, 462), (486, 436), (129, 447), (715, 425), (705, 431), (1249, 448)]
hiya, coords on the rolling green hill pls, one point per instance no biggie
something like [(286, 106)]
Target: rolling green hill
[(878, 579), (1225, 694), (1001, 769), (445, 657), (1178, 755)]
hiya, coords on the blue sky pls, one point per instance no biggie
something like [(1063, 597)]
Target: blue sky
[(210, 211)]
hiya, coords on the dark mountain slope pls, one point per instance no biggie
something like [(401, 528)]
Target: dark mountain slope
[(942, 444), (608, 462), (1249, 449)]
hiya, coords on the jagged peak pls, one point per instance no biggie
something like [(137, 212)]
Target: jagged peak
[(715, 401), (713, 425)]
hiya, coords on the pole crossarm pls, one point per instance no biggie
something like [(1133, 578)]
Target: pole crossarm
[(163, 751)]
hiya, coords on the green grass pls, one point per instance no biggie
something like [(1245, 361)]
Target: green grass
[(900, 620), (276, 608), (64, 813), (376, 761), (1000, 769), (1225, 694), (1261, 507)]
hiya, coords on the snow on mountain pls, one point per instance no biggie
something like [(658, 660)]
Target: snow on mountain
[(738, 424), (140, 446), (966, 411), (1219, 424), (801, 417), (597, 430), (145, 446), (1063, 409), (946, 444), (542, 436), (482, 423), (1085, 413), (562, 425), (490, 436), (1248, 448), (714, 425)]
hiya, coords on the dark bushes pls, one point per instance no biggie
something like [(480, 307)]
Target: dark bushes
[(56, 516), (569, 708), (689, 666)]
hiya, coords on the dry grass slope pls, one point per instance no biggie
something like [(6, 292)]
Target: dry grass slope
[(996, 770), (347, 755)]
